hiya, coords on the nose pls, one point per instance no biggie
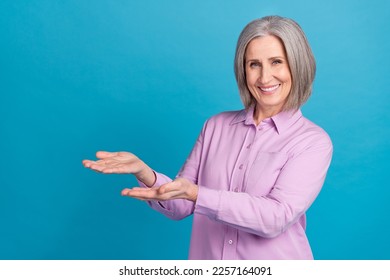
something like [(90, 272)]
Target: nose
[(265, 75)]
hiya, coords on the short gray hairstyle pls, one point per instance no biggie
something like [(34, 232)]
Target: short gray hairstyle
[(299, 56)]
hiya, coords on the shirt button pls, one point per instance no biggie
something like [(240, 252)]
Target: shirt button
[(230, 242), (241, 166), (249, 146), (236, 189)]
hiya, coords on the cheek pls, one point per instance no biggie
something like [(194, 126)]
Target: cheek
[(285, 75), (250, 78)]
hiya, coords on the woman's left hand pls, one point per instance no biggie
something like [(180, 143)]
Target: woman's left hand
[(179, 188)]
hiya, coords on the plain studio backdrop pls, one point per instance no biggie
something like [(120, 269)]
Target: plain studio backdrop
[(143, 76)]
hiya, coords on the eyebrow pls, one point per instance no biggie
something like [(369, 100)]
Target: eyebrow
[(271, 58)]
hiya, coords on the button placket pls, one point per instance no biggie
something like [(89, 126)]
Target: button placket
[(241, 163), (230, 244)]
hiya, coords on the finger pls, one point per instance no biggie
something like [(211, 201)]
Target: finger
[(87, 162), (101, 166), (118, 169), (143, 193), (105, 154), (96, 167), (108, 162), (138, 194), (103, 163), (94, 164), (124, 192), (154, 194), (111, 170)]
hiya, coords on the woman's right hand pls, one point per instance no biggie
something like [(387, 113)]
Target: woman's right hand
[(122, 163)]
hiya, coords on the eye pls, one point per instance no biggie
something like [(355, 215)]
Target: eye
[(277, 61), (254, 64)]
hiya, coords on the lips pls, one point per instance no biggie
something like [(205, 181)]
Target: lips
[(269, 89)]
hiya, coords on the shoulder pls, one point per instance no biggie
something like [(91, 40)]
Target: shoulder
[(294, 127), (314, 132), (306, 136), (221, 122), (225, 118)]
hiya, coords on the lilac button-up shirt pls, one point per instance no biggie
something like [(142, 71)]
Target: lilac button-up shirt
[(255, 185)]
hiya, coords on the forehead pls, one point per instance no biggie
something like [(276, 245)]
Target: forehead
[(265, 47)]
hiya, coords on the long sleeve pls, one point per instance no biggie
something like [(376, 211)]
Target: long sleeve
[(295, 189), (255, 184)]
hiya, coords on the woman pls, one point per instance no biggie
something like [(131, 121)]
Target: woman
[(252, 174)]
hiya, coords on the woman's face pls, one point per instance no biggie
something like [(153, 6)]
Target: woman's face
[(268, 74)]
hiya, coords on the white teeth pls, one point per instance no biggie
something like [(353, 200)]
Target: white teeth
[(268, 89)]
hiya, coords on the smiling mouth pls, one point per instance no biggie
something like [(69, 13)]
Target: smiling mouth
[(269, 89)]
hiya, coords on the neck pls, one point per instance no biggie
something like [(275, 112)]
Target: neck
[(260, 114)]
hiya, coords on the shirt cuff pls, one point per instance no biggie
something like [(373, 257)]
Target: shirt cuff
[(161, 206), (160, 180), (208, 202)]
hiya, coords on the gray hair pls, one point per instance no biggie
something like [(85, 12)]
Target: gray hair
[(299, 56)]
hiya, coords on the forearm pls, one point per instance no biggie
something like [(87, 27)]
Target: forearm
[(263, 216), (146, 175)]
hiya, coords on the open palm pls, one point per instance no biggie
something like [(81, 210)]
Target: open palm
[(116, 162)]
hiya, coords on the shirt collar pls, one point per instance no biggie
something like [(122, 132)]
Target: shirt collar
[(285, 119), (280, 121), (243, 115)]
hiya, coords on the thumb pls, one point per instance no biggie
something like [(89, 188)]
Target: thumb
[(167, 187), (104, 154)]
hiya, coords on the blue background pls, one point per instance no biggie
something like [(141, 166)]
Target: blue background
[(143, 76)]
